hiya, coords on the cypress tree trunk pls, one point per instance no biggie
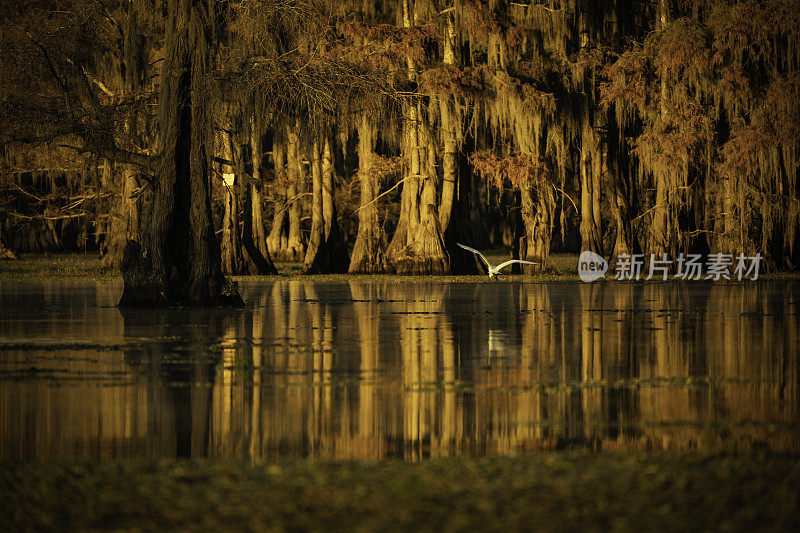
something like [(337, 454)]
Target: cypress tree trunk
[(326, 252), (254, 240), (622, 189), (367, 255), (295, 250), (131, 212), (177, 261), (277, 233), (111, 229), (456, 221), (418, 246), (233, 262), (623, 244), (590, 167), (470, 182), (661, 228), (731, 238), (538, 205), (465, 225), (317, 236), (409, 203), (123, 223), (339, 259), (449, 163), (328, 209), (428, 254), (409, 200), (590, 161)]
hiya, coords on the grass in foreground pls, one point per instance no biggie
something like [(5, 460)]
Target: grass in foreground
[(553, 491), (87, 266), (72, 266), (57, 267)]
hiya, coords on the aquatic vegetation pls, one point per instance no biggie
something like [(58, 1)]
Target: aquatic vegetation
[(551, 491)]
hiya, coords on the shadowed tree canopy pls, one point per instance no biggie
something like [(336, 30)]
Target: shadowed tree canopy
[(53, 45), (62, 64)]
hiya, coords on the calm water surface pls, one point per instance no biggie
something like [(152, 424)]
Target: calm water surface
[(381, 369)]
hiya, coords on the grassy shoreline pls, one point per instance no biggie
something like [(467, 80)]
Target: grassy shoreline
[(551, 491), (78, 266)]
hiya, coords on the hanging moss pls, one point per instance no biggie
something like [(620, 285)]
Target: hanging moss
[(659, 127)]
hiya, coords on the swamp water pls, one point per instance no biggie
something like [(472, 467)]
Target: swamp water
[(410, 369)]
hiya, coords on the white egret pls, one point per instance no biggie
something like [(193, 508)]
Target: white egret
[(495, 270)]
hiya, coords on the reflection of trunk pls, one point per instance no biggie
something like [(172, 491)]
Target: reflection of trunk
[(178, 260), (367, 255), (591, 360), (178, 418), (254, 241), (255, 450), (450, 427), (419, 346), (327, 252), (369, 324)]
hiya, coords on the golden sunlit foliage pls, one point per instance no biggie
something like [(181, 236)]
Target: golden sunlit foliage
[(667, 126)]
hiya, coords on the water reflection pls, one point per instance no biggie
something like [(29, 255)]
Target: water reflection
[(386, 369)]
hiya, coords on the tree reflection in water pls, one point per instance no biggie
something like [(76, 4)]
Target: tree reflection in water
[(383, 369)]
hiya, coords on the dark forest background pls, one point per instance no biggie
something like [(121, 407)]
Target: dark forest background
[(372, 136)]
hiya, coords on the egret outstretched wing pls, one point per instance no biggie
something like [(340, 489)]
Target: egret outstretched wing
[(474, 251), (511, 262)]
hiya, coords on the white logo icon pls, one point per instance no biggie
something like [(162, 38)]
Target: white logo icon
[(591, 266)]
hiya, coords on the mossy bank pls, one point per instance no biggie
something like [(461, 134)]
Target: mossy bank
[(55, 267), (552, 491)]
